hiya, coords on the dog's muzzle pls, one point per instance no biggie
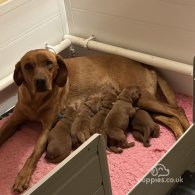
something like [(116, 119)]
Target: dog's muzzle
[(40, 85)]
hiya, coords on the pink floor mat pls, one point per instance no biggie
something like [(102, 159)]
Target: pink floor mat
[(126, 169)]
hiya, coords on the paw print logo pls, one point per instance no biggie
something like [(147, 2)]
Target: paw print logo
[(160, 170)]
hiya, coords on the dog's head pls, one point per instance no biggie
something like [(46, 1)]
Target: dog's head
[(93, 102), (40, 70), (132, 93)]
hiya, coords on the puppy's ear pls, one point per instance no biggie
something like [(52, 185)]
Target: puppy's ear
[(18, 76), (61, 77)]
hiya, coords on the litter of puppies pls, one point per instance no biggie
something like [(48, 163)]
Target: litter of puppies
[(107, 112)]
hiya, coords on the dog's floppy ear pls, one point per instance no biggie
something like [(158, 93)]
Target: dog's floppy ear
[(18, 76), (61, 77)]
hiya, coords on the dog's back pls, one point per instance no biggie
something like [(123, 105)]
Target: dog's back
[(107, 69)]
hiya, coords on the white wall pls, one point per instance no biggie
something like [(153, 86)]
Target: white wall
[(161, 27)]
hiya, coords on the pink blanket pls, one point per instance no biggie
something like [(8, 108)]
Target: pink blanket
[(126, 169)]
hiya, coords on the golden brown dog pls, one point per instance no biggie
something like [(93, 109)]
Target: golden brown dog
[(143, 127), (42, 75), (59, 140), (41, 78), (117, 120)]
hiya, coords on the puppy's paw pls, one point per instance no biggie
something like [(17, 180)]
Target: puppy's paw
[(147, 145), (83, 135), (115, 149), (21, 183), (128, 144)]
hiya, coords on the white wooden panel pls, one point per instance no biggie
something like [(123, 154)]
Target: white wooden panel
[(8, 98), (179, 82), (162, 12), (84, 171), (159, 27), (27, 16), (50, 31)]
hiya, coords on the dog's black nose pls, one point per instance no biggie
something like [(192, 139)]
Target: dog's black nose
[(40, 84)]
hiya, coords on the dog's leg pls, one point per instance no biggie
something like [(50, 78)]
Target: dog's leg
[(151, 103), (166, 90), (23, 177), (138, 136), (170, 122), (10, 127)]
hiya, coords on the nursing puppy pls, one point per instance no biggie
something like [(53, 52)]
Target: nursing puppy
[(109, 96), (143, 127), (59, 140), (80, 130), (117, 120)]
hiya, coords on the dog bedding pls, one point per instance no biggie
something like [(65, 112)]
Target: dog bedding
[(126, 169)]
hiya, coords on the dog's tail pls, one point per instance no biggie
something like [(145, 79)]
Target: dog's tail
[(166, 90)]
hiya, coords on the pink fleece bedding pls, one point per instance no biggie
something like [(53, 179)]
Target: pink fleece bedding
[(126, 169)]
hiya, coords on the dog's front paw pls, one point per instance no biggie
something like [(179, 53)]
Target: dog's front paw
[(21, 183)]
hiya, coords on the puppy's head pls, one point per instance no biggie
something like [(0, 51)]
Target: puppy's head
[(40, 70), (133, 93), (93, 102), (69, 112)]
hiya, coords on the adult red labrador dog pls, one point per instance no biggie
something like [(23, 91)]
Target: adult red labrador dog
[(47, 83)]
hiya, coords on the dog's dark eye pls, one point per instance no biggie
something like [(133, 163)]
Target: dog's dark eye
[(48, 63), (28, 66)]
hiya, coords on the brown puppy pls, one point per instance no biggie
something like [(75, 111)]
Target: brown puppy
[(117, 120), (109, 96), (143, 127), (59, 140), (41, 76), (80, 130)]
